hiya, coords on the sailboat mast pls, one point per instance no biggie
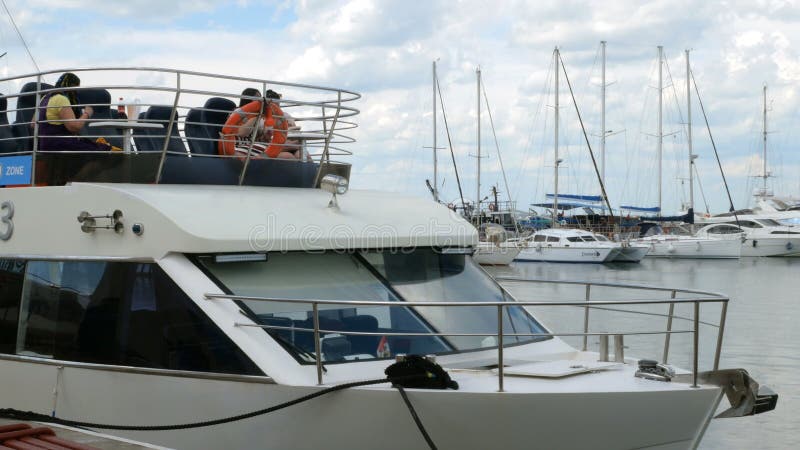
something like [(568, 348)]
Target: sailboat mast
[(478, 156), (603, 116), (764, 175), (555, 140), (435, 160), (689, 130), (660, 129)]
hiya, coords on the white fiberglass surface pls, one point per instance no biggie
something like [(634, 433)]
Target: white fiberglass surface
[(419, 275)]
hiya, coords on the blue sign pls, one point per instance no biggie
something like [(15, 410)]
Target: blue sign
[(15, 170)]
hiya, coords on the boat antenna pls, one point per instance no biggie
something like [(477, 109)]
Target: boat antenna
[(714, 146), (588, 144), (25, 44), (499, 158), (450, 142)]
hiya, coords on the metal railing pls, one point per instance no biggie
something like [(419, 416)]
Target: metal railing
[(700, 297), (322, 113)]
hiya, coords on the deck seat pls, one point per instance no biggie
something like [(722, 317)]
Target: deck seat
[(26, 105), (161, 114), (100, 101), (196, 133), (8, 143), (214, 115)]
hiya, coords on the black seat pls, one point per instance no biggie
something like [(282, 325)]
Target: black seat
[(26, 106), (362, 323), (161, 114), (100, 101), (197, 134), (8, 142), (214, 115)]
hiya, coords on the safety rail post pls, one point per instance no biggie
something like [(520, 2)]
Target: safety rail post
[(696, 336), (500, 348), (722, 318), (35, 120), (253, 135), (669, 326), (317, 352), (586, 316), (168, 133), (326, 157)]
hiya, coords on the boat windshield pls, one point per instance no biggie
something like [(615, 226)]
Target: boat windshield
[(420, 275)]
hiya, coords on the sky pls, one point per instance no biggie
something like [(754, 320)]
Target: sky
[(384, 50)]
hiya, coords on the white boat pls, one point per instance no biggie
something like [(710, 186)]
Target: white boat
[(137, 293), (567, 245), (761, 237), (680, 244), (491, 254), (631, 251)]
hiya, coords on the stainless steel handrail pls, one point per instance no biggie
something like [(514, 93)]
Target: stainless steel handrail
[(321, 109), (704, 297)]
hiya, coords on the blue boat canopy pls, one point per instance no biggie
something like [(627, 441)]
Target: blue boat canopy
[(654, 209), (585, 198), (564, 206)]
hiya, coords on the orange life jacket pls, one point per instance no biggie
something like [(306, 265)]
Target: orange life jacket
[(274, 120)]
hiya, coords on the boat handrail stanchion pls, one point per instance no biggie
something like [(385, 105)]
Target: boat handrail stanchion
[(317, 352), (696, 338), (168, 133), (586, 316), (669, 327), (500, 348), (326, 157), (34, 119), (722, 319), (253, 135)]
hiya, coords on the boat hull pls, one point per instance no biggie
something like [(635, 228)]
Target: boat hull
[(771, 247), (567, 254), (632, 253), (695, 248), (647, 416), (487, 253)]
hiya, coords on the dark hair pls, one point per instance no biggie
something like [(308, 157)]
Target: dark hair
[(272, 94), (68, 80), (249, 92)]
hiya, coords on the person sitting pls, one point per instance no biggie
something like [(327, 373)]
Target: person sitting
[(60, 120), (248, 92), (270, 133)]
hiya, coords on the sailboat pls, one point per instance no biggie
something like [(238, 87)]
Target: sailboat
[(493, 248), (565, 245), (684, 245)]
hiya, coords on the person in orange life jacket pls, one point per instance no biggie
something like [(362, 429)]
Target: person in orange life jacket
[(59, 121), (270, 137)]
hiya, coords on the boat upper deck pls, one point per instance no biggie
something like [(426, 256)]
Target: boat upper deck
[(168, 125)]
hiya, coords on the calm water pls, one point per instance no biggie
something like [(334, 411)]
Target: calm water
[(762, 331)]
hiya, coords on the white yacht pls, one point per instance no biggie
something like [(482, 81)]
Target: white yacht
[(679, 243), (161, 287), (568, 245), (758, 236)]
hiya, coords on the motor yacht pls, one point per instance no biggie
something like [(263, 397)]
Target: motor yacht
[(568, 245), (167, 286), (759, 236), (679, 243)]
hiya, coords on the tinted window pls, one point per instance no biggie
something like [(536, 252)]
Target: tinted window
[(122, 314), (553, 239), (11, 275), (574, 239), (539, 238)]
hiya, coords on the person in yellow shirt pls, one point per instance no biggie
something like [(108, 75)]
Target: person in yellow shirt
[(60, 123)]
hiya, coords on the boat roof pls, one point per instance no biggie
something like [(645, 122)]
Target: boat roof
[(214, 219), (564, 232)]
